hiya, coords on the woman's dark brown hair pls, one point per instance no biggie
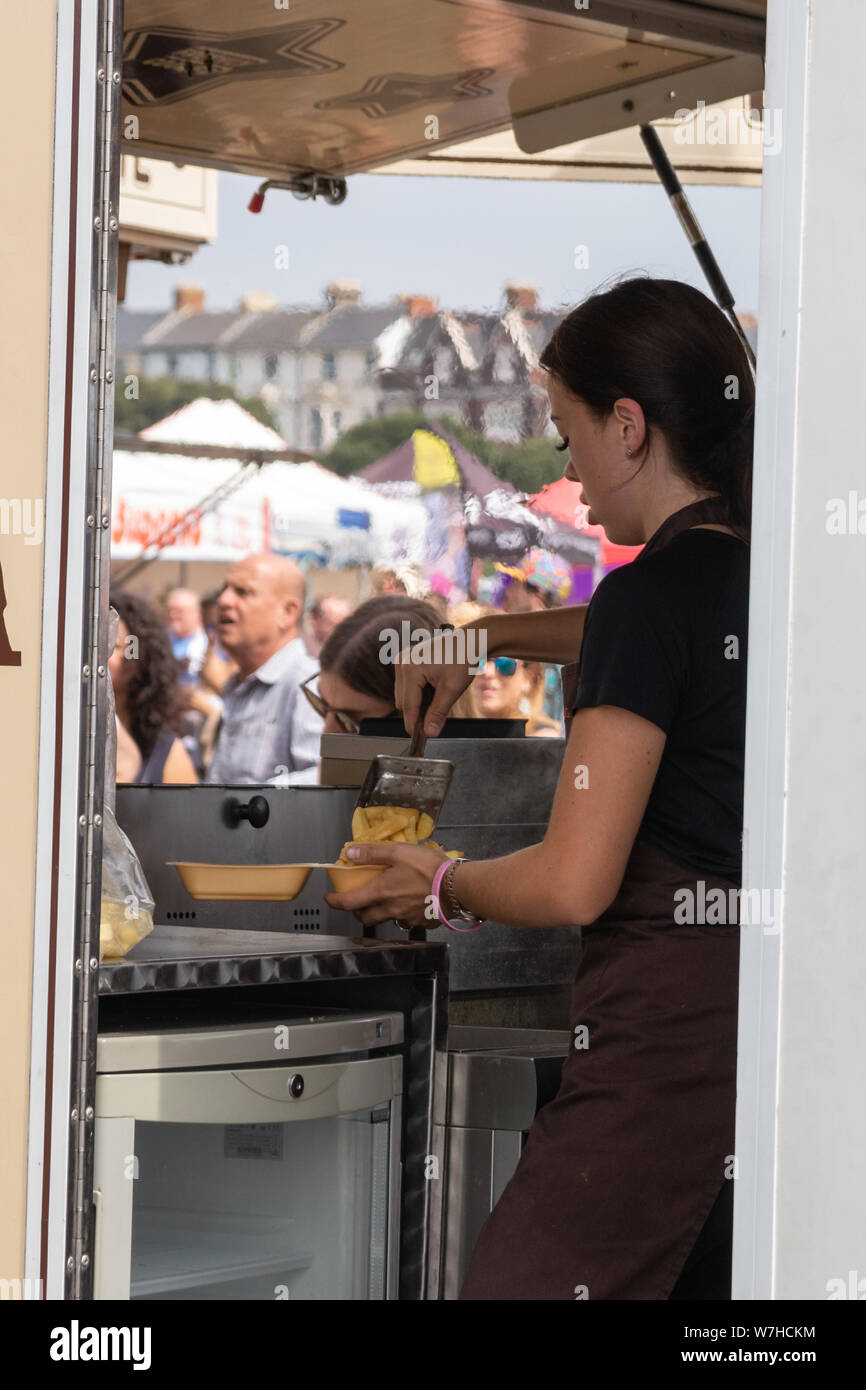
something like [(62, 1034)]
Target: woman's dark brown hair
[(153, 695), (666, 345), (352, 651)]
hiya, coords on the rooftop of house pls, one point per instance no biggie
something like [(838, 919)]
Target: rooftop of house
[(409, 327), (187, 328), (340, 328), (132, 325), (353, 326)]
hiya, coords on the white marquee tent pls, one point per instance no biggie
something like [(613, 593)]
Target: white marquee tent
[(302, 510)]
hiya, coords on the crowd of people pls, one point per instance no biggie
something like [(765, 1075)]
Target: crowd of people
[(238, 686)]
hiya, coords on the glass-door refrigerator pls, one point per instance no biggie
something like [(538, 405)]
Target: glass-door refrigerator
[(255, 1160)]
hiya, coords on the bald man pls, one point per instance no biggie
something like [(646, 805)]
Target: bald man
[(269, 732)]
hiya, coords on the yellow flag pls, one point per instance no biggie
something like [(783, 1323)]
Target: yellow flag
[(435, 465)]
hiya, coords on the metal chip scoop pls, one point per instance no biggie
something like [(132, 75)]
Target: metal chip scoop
[(410, 780)]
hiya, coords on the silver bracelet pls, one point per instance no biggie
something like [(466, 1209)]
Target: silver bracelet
[(453, 908)]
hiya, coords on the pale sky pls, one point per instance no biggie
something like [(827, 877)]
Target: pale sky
[(458, 240)]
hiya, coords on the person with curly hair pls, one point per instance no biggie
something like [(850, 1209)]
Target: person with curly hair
[(148, 700)]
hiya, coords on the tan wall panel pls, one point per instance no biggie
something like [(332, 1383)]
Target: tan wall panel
[(27, 118)]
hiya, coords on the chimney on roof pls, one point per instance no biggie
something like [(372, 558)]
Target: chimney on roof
[(189, 297), (342, 292), (258, 302), (417, 306), (521, 297)]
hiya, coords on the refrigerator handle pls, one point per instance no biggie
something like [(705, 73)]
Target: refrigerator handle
[(254, 1095)]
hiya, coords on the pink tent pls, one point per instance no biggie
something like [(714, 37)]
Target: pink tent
[(563, 502)]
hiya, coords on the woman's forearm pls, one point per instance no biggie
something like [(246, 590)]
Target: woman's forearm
[(553, 635), (524, 889)]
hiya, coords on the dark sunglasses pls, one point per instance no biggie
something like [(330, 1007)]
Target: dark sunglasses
[(345, 721)]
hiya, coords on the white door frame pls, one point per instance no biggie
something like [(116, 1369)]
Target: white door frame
[(800, 1200)]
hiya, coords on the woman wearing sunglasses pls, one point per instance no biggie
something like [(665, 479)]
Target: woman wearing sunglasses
[(506, 688), (353, 682), (624, 1187)]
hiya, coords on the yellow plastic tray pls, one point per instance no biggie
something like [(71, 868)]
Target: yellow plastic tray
[(345, 877), (264, 883)]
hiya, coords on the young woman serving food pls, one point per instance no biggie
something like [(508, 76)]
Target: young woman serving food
[(624, 1190)]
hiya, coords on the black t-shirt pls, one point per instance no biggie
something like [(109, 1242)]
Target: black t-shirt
[(665, 637)]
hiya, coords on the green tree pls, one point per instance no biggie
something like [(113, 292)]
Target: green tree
[(158, 396), (371, 440), (529, 465)]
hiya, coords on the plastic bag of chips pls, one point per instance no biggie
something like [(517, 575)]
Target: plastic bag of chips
[(127, 905)]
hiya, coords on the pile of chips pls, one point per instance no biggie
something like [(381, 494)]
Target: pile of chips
[(395, 825)]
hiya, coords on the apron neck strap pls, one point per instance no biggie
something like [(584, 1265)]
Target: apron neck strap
[(708, 511)]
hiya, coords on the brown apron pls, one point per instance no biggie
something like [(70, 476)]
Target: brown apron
[(622, 1168)]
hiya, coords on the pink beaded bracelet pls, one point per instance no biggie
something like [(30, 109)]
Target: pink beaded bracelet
[(437, 883)]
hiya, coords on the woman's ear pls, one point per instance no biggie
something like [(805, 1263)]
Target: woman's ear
[(631, 422)]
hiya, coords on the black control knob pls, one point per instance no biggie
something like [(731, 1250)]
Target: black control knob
[(296, 1085), (257, 811)]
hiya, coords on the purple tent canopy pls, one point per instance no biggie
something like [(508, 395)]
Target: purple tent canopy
[(498, 525)]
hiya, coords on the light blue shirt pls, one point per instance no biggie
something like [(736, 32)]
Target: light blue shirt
[(270, 732), (191, 651)]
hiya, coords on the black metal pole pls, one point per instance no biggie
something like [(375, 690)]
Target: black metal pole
[(692, 228)]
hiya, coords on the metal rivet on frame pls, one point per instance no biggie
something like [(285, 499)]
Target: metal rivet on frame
[(97, 820), (90, 519), (100, 670), (109, 376), (85, 670), (94, 963), (93, 374), (85, 1261), (97, 222), (73, 1115)]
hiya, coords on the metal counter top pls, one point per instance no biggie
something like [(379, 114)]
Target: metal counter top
[(175, 957), (499, 802)]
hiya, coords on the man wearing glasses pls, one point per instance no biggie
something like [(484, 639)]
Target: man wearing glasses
[(269, 733)]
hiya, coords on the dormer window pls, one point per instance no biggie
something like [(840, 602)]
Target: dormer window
[(503, 365), (443, 363)]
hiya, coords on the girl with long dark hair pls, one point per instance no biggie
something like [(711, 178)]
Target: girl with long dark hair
[(148, 700), (624, 1187)]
